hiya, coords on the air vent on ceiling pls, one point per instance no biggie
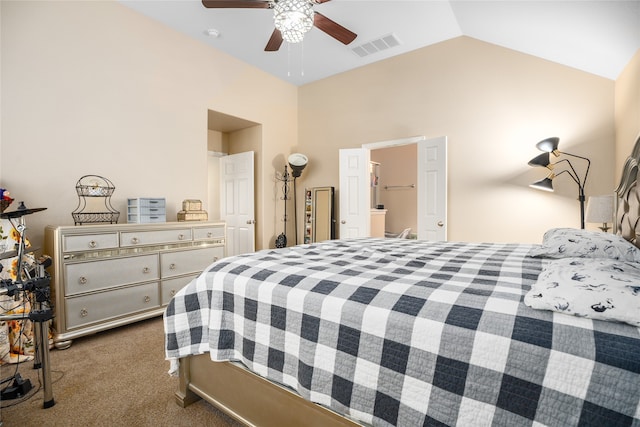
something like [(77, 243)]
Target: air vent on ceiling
[(377, 45)]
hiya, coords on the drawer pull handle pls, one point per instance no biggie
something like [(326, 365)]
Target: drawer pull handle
[(209, 235), (173, 292), (135, 240), (146, 270), (82, 280), (172, 266), (93, 244), (215, 258), (84, 312), (147, 298), (180, 236)]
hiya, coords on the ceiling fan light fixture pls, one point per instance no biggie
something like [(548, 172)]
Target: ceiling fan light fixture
[(294, 18)]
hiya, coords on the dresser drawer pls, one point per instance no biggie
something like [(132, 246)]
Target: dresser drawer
[(189, 261), (170, 287), (86, 242), (96, 275), (140, 238), (204, 233), (101, 306)]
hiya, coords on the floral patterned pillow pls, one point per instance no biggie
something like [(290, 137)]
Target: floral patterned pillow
[(575, 243), (603, 289)]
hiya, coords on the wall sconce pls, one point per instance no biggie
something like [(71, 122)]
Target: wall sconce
[(600, 210), (550, 146)]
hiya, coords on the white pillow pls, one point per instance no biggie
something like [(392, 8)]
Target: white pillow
[(603, 289), (575, 243)]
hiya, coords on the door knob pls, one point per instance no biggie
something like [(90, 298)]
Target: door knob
[(440, 224), (343, 222), (251, 221)]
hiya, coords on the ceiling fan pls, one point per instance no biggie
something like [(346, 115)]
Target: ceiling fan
[(293, 18)]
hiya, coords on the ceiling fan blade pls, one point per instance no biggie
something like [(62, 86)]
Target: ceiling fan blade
[(332, 28), (246, 4), (274, 42)]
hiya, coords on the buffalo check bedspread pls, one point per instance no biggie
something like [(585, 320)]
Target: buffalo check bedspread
[(410, 333)]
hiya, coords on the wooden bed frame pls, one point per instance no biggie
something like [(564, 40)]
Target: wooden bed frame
[(255, 401), (248, 397)]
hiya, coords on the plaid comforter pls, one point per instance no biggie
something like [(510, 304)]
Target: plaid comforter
[(410, 333)]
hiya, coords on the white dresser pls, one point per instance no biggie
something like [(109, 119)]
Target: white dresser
[(104, 276)]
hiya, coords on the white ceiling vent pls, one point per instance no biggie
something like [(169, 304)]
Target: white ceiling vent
[(377, 45)]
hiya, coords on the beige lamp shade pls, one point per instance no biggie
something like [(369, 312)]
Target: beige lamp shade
[(600, 210)]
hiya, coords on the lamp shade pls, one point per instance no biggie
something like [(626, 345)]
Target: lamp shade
[(544, 184), (549, 145), (600, 209), (297, 162), (541, 160)]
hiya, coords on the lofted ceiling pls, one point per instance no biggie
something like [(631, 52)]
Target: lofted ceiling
[(599, 37)]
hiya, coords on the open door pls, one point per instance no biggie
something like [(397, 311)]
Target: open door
[(237, 202), (432, 189), (355, 211), (355, 207)]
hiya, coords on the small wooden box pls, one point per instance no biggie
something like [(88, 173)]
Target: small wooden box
[(193, 216), (192, 205)]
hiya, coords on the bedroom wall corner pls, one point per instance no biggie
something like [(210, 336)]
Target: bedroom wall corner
[(627, 110)]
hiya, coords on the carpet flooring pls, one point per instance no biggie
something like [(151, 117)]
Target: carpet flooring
[(112, 378)]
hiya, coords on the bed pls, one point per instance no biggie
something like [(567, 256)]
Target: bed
[(396, 332)]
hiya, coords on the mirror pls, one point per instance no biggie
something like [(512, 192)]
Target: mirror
[(319, 217)]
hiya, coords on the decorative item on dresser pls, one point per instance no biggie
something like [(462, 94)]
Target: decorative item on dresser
[(192, 211), (104, 276), (146, 209), (94, 201), (550, 145)]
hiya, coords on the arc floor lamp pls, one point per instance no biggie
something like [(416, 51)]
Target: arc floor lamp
[(550, 146)]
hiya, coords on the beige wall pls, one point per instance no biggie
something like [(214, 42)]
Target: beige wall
[(80, 98), (627, 110), (494, 105), (96, 88)]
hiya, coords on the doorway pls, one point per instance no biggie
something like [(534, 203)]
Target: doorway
[(228, 136), (431, 185)]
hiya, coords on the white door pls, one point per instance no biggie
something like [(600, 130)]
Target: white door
[(432, 189), (237, 202), (355, 211)]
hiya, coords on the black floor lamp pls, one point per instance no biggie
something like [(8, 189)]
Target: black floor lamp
[(297, 162), (550, 145)]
